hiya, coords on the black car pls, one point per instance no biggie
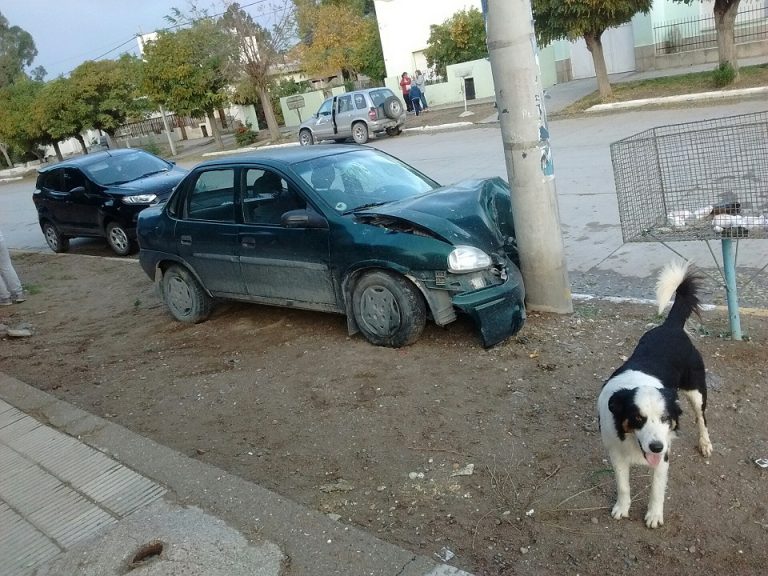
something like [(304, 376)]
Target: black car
[(101, 195), (340, 229)]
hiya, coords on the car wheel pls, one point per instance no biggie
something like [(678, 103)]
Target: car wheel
[(393, 108), (56, 241), (306, 138), (360, 132), (389, 310), (118, 239), (185, 298)]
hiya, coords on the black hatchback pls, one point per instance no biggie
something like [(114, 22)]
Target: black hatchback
[(101, 195)]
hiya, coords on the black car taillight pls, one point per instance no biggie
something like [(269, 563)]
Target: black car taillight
[(373, 113)]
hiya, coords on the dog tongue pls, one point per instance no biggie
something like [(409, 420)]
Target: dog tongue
[(653, 459)]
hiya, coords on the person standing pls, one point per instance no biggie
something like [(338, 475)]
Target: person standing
[(405, 86), (421, 83), (10, 286), (415, 96)]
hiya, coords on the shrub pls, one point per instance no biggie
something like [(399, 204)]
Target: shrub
[(723, 75), (244, 135)]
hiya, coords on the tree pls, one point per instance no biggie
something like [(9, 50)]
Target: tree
[(108, 90), (725, 12), (461, 38), (256, 48), (17, 50), (18, 131), (588, 19), (340, 35), (60, 113), (185, 70)]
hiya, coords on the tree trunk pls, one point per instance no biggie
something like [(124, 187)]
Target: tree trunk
[(182, 128), (4, 150), (215, 129), (595, 46), (269, 114), (82, 143), (56, 148), (222, 117), (725, 18)]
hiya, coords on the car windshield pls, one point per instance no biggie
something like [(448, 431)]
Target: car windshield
[(112, 170), (363, 178)]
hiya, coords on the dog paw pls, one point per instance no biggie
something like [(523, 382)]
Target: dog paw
[(620, 511), (654, 519), (705, 447)]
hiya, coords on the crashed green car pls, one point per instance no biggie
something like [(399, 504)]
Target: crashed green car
[(343, 229)]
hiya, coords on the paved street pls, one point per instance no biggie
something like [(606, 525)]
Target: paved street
[(598, 260)]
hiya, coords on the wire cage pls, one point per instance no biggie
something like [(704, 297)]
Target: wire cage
[(703, 180)]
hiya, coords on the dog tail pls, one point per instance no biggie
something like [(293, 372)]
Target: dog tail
[(678, 279)]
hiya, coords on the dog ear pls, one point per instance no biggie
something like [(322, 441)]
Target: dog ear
[(673, 407), (620, 400)]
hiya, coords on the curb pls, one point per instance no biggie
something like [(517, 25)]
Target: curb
[(758, 312), (715, 95)]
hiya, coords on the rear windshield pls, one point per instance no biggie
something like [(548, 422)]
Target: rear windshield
[(378, 96)]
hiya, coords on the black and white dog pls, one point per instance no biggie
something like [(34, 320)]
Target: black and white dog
[(638, 405)]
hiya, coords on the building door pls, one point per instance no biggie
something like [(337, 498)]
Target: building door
[(469, 88)]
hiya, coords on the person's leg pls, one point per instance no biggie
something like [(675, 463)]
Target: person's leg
[(10, 286), (417, 106), (408, 105), (424, 105)]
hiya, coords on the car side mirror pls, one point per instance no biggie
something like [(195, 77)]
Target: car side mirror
[(303, 219)]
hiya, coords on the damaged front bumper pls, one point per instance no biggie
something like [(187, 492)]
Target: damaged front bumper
[(498, 311)]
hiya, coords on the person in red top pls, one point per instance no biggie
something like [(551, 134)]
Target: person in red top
[(405, 86)]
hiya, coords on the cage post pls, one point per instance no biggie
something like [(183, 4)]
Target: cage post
[(729, 272)]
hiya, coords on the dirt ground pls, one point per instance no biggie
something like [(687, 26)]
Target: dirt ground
[(384, 438)]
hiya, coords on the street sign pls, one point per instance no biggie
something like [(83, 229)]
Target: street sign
[(294, 102)]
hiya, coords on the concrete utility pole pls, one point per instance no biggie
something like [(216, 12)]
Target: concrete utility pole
[(515, 67)]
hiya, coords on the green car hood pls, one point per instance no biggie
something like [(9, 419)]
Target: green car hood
[(474, 212)]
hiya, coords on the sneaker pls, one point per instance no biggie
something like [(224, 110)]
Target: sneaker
[(18, 298), (6, 302)]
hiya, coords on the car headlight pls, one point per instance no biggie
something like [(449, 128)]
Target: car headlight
[(468, 259), (140, 199)]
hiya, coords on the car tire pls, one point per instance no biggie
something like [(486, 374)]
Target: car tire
[(393, 108), (388, 309), (184, 296), (56, 240), (118, 239), (360, 132), (306, 138)]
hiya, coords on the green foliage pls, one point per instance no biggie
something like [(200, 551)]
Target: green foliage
[(724, 75), (17, 50), (18, 128), (557, 20), (185, 70), (245, 135), (109, 92), (461, 38), (59, 111)]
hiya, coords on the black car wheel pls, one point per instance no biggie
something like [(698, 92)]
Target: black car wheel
[(185, 298), (389, 310), (118, 239), (360, 132), (393, 108), (56, 241), (306, 138)]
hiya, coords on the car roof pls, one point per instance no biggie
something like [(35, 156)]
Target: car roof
[(91, 158), (286, 155)]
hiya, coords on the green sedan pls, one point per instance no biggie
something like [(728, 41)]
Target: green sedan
[(343, 229)]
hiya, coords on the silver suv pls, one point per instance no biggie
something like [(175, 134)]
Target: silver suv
[(355, 115)]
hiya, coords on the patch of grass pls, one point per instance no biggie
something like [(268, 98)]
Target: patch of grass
[(33, 289), (587, 311), (749, 77)]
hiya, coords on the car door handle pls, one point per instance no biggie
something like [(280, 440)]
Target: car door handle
[(248, 242), (186, 240)]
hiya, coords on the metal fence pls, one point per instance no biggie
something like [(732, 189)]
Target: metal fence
[(699, 33), (695, 181)]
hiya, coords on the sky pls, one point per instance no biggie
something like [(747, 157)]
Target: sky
[(69, 32)]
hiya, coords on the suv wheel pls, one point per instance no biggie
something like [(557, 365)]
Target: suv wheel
[(360, 132), (306, 138), (393, 108), (118, 239), (56, 241)]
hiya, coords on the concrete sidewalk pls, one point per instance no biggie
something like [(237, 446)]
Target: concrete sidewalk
[(81, 495)]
